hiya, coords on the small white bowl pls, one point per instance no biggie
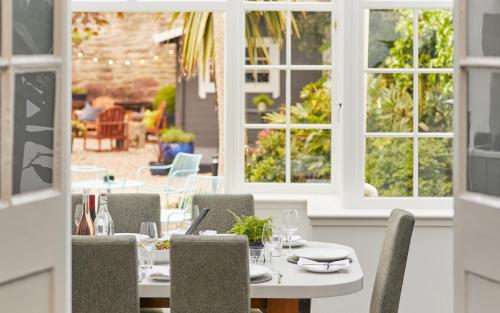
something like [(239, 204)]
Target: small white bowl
[(162, 256)]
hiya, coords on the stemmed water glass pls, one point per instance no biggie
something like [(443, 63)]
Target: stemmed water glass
[(78, 214), (149, 229), (290, 225)]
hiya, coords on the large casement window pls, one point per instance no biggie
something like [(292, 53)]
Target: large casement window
[(405, 105), (288, 138), (346, 98)]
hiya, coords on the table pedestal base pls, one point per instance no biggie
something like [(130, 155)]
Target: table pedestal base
[(265, 305)]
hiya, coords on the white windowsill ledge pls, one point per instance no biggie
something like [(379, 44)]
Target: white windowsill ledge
[(328, 210)]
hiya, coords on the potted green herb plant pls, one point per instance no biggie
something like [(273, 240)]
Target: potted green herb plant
[(262, 101), (250, 226), (174, 140)]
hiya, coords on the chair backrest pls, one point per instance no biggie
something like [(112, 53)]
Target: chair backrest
[(209, 274), (110, 123), (161, 117), (185, 164), (102, 102), (219, 218), (87, 177), (129, 210), (200, 185), (104, 274), (392, 263)]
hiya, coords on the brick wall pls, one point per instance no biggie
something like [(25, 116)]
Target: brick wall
[(125, 39)]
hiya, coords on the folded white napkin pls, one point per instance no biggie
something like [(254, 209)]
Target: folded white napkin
[(326, 266), (160, 272)]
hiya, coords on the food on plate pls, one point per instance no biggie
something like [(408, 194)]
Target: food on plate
[(163, 245)]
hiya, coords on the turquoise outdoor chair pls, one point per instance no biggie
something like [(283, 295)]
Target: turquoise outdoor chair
[(183, 166), (195, 185)]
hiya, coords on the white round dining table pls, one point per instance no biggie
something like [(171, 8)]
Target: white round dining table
[(109, 186), (296, 283)]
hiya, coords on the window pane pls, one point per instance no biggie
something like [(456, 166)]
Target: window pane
[(435, 167), (390, 40), (483, 24), (311, 39), (265, 96), (292, 0), (484, 131), (435, 30), (389, 103), (311, 101), (265, 155), (33, 131), (33, 27), (389, 166), (265, 37), (310, 155), (435, 103)]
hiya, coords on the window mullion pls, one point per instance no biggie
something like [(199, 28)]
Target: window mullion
[(415, 102), (288, 87)]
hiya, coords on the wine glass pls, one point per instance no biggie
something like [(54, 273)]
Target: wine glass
[(149, 229), (271, 238), (78, 214), (290, 225)]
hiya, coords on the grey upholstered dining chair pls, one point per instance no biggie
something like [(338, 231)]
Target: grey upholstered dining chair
[(392, 263), (128, 210), (219, 218), (209, 274), (104, 273)]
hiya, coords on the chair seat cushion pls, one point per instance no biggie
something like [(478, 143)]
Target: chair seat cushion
[(150, 118), (89, 113)]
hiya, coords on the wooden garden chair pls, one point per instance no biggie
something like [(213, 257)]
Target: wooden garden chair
[(110, 124)]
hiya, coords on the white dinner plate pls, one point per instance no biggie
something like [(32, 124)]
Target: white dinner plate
[(257, 270), (138, 237), (322, 254)]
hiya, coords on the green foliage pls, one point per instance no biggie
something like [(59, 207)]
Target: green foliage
[(167, 94), (389, 162), (262, 100), (265, 160), (77, 90), (389, 166), (176, 135), (250, 226)]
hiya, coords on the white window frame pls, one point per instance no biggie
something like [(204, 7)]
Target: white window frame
[(239, 148), (355, 175), (12, 64), (207, 85), (348, 122)]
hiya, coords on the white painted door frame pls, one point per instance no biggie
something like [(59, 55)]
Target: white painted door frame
[(35, 262), (477, 215)]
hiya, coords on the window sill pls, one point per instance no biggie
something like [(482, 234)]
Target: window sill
[(328, 210)]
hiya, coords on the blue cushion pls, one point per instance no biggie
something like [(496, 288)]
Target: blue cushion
[(89, 113)]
